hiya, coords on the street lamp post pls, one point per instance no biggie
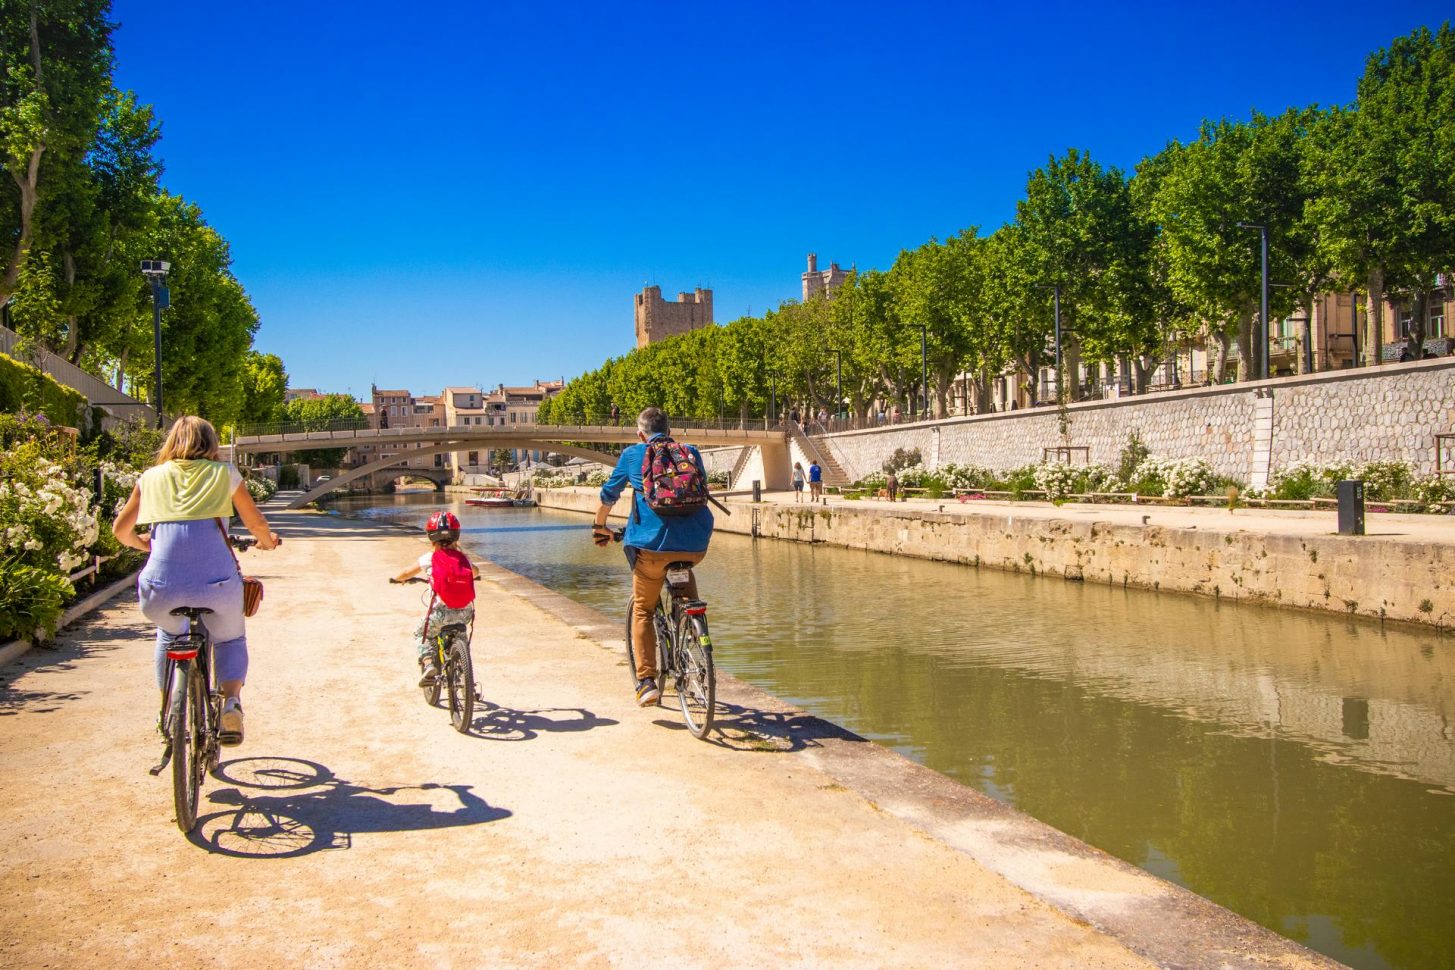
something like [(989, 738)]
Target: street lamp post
[(838, 383), (155, 271), (1055, 289), (924, 372), (1263, 305)]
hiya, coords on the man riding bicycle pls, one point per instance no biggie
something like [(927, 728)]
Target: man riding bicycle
[(652, 540)]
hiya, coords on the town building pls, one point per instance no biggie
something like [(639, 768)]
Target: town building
[(300, 393), (657, 319), (821, 283)]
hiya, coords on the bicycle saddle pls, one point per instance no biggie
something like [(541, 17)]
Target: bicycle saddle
[(452, 629), (189, 610)]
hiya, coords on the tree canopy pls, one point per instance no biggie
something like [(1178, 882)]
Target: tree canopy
[(1358, 197)]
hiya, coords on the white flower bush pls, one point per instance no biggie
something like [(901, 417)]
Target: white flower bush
[(1179, 477), (46, 521), (261, 489), (1057, 479)]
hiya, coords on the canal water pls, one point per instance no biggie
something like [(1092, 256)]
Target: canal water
[(1294, 767)]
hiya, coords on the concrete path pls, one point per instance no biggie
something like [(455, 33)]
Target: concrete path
[(355, 828)]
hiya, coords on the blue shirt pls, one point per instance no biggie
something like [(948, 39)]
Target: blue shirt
[(815, 473), (646, 529)]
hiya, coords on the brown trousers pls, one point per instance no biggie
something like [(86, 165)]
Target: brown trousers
[(648, 575)]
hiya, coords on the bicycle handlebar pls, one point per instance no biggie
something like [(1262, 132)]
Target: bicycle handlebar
[(242, 543)]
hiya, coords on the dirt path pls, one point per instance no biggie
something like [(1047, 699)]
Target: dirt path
[(355, 828)]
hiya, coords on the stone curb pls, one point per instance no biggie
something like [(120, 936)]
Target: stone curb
[(17, 648)]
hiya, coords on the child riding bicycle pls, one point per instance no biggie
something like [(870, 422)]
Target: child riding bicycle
[(451, 578)]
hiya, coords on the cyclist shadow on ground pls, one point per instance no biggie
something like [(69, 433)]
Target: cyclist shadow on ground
[(507, 724), (751, 729), (286, 807)]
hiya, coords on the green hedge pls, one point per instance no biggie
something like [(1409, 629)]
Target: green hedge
[(21, 384)]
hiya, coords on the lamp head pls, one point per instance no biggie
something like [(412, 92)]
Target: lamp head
[(155, 268)]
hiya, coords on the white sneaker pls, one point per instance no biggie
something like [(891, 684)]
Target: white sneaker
[(230, 726)]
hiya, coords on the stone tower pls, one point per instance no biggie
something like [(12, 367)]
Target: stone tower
[(817, 283), (657, 319)]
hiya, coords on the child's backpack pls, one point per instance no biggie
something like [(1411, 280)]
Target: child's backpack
[(451, 578), (672, 483)]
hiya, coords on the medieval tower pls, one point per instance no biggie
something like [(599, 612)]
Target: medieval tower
[(821, 283), (657, 319)]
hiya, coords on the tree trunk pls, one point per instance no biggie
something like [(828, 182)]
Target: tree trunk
[(27, 183), (1419, 313), (1247, 366), (121, 370), (1070, 367), (1374, 322), (1219, 368), (1313, 310)]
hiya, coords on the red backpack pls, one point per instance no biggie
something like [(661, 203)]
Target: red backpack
[(451, 578), (672, 482)]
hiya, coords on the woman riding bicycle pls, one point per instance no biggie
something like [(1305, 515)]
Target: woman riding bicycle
[(187, 498)]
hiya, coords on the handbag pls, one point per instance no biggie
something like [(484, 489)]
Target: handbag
[(252, 586)]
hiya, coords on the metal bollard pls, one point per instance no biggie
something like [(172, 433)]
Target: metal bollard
[(1351, 508), (757, 490)]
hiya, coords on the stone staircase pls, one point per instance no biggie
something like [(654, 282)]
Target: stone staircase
[(833, 473), (738, 466)]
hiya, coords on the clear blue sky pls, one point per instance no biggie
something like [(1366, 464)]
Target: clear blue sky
[(448, 193)]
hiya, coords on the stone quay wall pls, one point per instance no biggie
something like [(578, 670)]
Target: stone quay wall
[(1359, 575), (1390, 413)]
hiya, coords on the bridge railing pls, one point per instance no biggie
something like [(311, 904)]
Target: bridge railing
[(345, 426)]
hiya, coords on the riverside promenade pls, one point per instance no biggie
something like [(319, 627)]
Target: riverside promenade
[(570, 828)]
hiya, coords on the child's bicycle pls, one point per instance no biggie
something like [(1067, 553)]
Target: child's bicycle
[(457, 670), (684, 648)]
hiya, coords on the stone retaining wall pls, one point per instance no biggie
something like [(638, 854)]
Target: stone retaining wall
[(1366, 575), (1390, 413)]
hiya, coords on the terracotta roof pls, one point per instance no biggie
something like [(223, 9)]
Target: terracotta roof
[(367, 407), (381, 391), (461, 390)]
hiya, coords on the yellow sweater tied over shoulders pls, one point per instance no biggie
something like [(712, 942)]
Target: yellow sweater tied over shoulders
[(186, 489)]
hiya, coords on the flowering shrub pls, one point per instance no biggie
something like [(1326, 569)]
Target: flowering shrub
[(1386, 479), (261, 489), (1302, 480), (45, 521), (718, 476), (1057, 479), (1178, 477), (1435, 488)]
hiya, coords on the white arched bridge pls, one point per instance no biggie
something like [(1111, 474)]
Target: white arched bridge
[(573, 440)]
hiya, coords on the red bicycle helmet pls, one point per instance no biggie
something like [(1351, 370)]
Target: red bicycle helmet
[(442, 527)]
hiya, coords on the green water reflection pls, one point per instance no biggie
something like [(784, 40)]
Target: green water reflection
[(1296, 768)]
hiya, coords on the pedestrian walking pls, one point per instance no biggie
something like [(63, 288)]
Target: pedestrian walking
[(815, 481), (798, 481), (891, 486)]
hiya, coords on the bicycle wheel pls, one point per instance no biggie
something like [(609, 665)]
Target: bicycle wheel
[(459, 674), (696, 680), (185, 784), (432, 691)]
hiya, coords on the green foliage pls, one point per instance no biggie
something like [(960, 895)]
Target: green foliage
[(133, 445), (31, 599), (265, 385), (329, 412), (27, 388), (1132, 455), (902, 459), (288, 476), (1387, 479)]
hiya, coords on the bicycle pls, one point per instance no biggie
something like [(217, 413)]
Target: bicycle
[(684, 647), (457, 669), (191, 710)]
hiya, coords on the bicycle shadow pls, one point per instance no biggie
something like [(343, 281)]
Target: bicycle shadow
[(508, 724), (311, 809), (740, 728)]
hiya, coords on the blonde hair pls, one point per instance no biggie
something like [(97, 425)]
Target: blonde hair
[(190, 437)]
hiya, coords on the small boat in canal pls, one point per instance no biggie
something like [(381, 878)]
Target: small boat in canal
[(500, 498)]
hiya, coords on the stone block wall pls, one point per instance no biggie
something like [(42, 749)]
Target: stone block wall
[(1389, 413)]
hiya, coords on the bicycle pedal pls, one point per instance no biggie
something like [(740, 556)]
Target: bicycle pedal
[(160, 766)]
